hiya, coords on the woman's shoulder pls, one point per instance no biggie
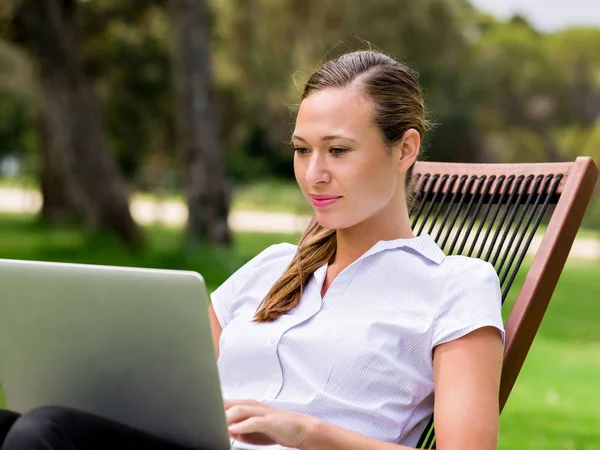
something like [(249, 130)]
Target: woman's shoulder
[(455, 272), (455, 261), (250, 283), (269, 263), (468, 267), (471, 298), (436, 261), (281, 253), (470, 284), (273, 259)]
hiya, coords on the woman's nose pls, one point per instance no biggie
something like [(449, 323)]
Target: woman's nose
[(317, 170)]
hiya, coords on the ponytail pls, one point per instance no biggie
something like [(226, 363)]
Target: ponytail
[(317, 247)]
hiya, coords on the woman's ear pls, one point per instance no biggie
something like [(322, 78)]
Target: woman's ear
[(408, 149)]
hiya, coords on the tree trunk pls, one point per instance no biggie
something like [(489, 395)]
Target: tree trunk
[(197, 124), (56, 206), (75, 142)]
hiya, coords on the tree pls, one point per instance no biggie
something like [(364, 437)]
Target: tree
[(521, 90), (266, 50), (15, 102), (76, 154), (197, 123), (126, 51)]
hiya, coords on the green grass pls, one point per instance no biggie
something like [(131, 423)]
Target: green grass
[(25, 182), (22, 237), (2, 400), (554, 404)]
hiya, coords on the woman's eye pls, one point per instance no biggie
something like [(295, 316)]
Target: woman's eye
[(301, 150), (338, 151)]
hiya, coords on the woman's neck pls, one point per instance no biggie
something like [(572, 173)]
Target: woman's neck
[(353, 242)]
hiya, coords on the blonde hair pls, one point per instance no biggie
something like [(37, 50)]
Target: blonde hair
[(398, 103)]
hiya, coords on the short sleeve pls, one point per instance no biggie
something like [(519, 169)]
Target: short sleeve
[(472, 299), (224, 297)]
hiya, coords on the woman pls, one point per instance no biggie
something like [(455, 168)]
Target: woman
[(341, 342)]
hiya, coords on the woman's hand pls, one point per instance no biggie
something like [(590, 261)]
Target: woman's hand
[(255, 423)]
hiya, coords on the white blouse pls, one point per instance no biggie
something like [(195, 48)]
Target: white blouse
[(361, 356)]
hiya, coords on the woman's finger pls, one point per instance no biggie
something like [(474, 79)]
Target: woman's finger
[(251, 425), (234, 402), (238, 413)]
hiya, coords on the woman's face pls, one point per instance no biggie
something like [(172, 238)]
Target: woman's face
[(341, 162)]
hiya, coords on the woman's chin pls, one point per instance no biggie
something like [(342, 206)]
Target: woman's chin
[(331, 222), (324, 221)]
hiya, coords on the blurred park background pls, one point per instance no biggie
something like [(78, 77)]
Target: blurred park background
[(154, 133)]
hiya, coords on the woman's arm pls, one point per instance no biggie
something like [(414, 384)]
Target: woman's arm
[(215, 328), (467, 384), (467, 379)]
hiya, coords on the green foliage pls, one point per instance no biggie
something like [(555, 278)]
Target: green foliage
[(265, 50), (16, 103), (537, 85), (129, 59), (591, 219), (497, 90)]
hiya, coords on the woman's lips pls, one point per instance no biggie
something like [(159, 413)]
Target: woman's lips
[(323, 201)]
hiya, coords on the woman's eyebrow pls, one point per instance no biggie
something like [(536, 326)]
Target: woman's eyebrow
[(325, 138), (299, 138), (337, 136)]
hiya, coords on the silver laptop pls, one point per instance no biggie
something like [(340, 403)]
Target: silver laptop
[(132, 345)]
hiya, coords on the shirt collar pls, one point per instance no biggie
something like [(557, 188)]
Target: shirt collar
[(423, 244)]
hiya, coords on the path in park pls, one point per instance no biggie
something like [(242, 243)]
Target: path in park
[(174, 213)]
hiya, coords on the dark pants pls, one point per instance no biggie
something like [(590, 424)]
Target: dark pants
[(57, 428)]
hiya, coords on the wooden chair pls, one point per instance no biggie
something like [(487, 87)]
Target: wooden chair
[(493, 212)]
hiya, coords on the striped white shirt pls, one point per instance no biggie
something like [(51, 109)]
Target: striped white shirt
[(361, 356)]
